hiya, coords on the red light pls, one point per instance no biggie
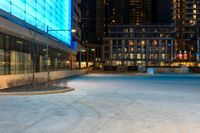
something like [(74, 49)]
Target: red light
[(185, 55), (180, 56)]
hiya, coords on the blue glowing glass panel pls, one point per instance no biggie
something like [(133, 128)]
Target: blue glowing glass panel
[(56, 14), (74, 43)]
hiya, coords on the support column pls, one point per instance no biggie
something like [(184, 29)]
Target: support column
[(141, 47), (111, 52), (80, 59), (198, 49), (129, 50), (175, 51), (71, 62), (147, 52), (172, 51), (123, 52), (166, 50), (154, 50), (160, 51), (87, 55), (135, 51)]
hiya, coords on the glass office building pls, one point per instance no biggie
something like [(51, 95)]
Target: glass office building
[(21, 54), (42, 13)]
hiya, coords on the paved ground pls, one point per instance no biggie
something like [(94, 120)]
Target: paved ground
[(109, 104)]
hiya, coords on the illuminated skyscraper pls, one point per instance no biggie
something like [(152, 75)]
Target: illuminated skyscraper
[(187, 19), (186, 11), (140, 11), (128, 11)]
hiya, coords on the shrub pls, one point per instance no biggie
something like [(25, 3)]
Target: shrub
[(24, 81)]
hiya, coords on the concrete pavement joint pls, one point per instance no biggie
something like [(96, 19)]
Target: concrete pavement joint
[(115, 115), (35, 123)]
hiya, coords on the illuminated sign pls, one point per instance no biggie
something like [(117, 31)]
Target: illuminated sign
[(56, 14), (181, 55)]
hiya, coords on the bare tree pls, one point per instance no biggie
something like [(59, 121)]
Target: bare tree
[(34, 53)]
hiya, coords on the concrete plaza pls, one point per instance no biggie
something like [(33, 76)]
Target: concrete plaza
[(109, 104)]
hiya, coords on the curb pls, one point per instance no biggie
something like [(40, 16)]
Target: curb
[(68, 89)]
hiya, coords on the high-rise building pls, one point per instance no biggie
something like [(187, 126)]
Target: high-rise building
[(187, 20), (77, 19), (92, 26), (186, 11), (128, 11), (88, 21), (161, 12), (77, 35), (172, 40), (140, 11), (147, 4), (100, 20), (115, 11), (119, 12)]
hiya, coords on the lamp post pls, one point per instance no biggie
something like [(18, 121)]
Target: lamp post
[(47, 46)]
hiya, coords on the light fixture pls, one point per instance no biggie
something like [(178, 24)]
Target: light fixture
[(143, 42), (19, 42), (73, 30)]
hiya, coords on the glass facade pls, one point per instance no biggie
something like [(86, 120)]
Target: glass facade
[(56, 14), (20, 56)]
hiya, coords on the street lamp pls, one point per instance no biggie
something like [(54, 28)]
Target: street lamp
[(47, 45), (73, 30)]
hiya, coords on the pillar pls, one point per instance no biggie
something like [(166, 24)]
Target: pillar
[(172, 51), (198, 50), (147, 52), (111, 52), (80, 59), (166, 50), (123, 52), (135, 51), (160, 51)]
